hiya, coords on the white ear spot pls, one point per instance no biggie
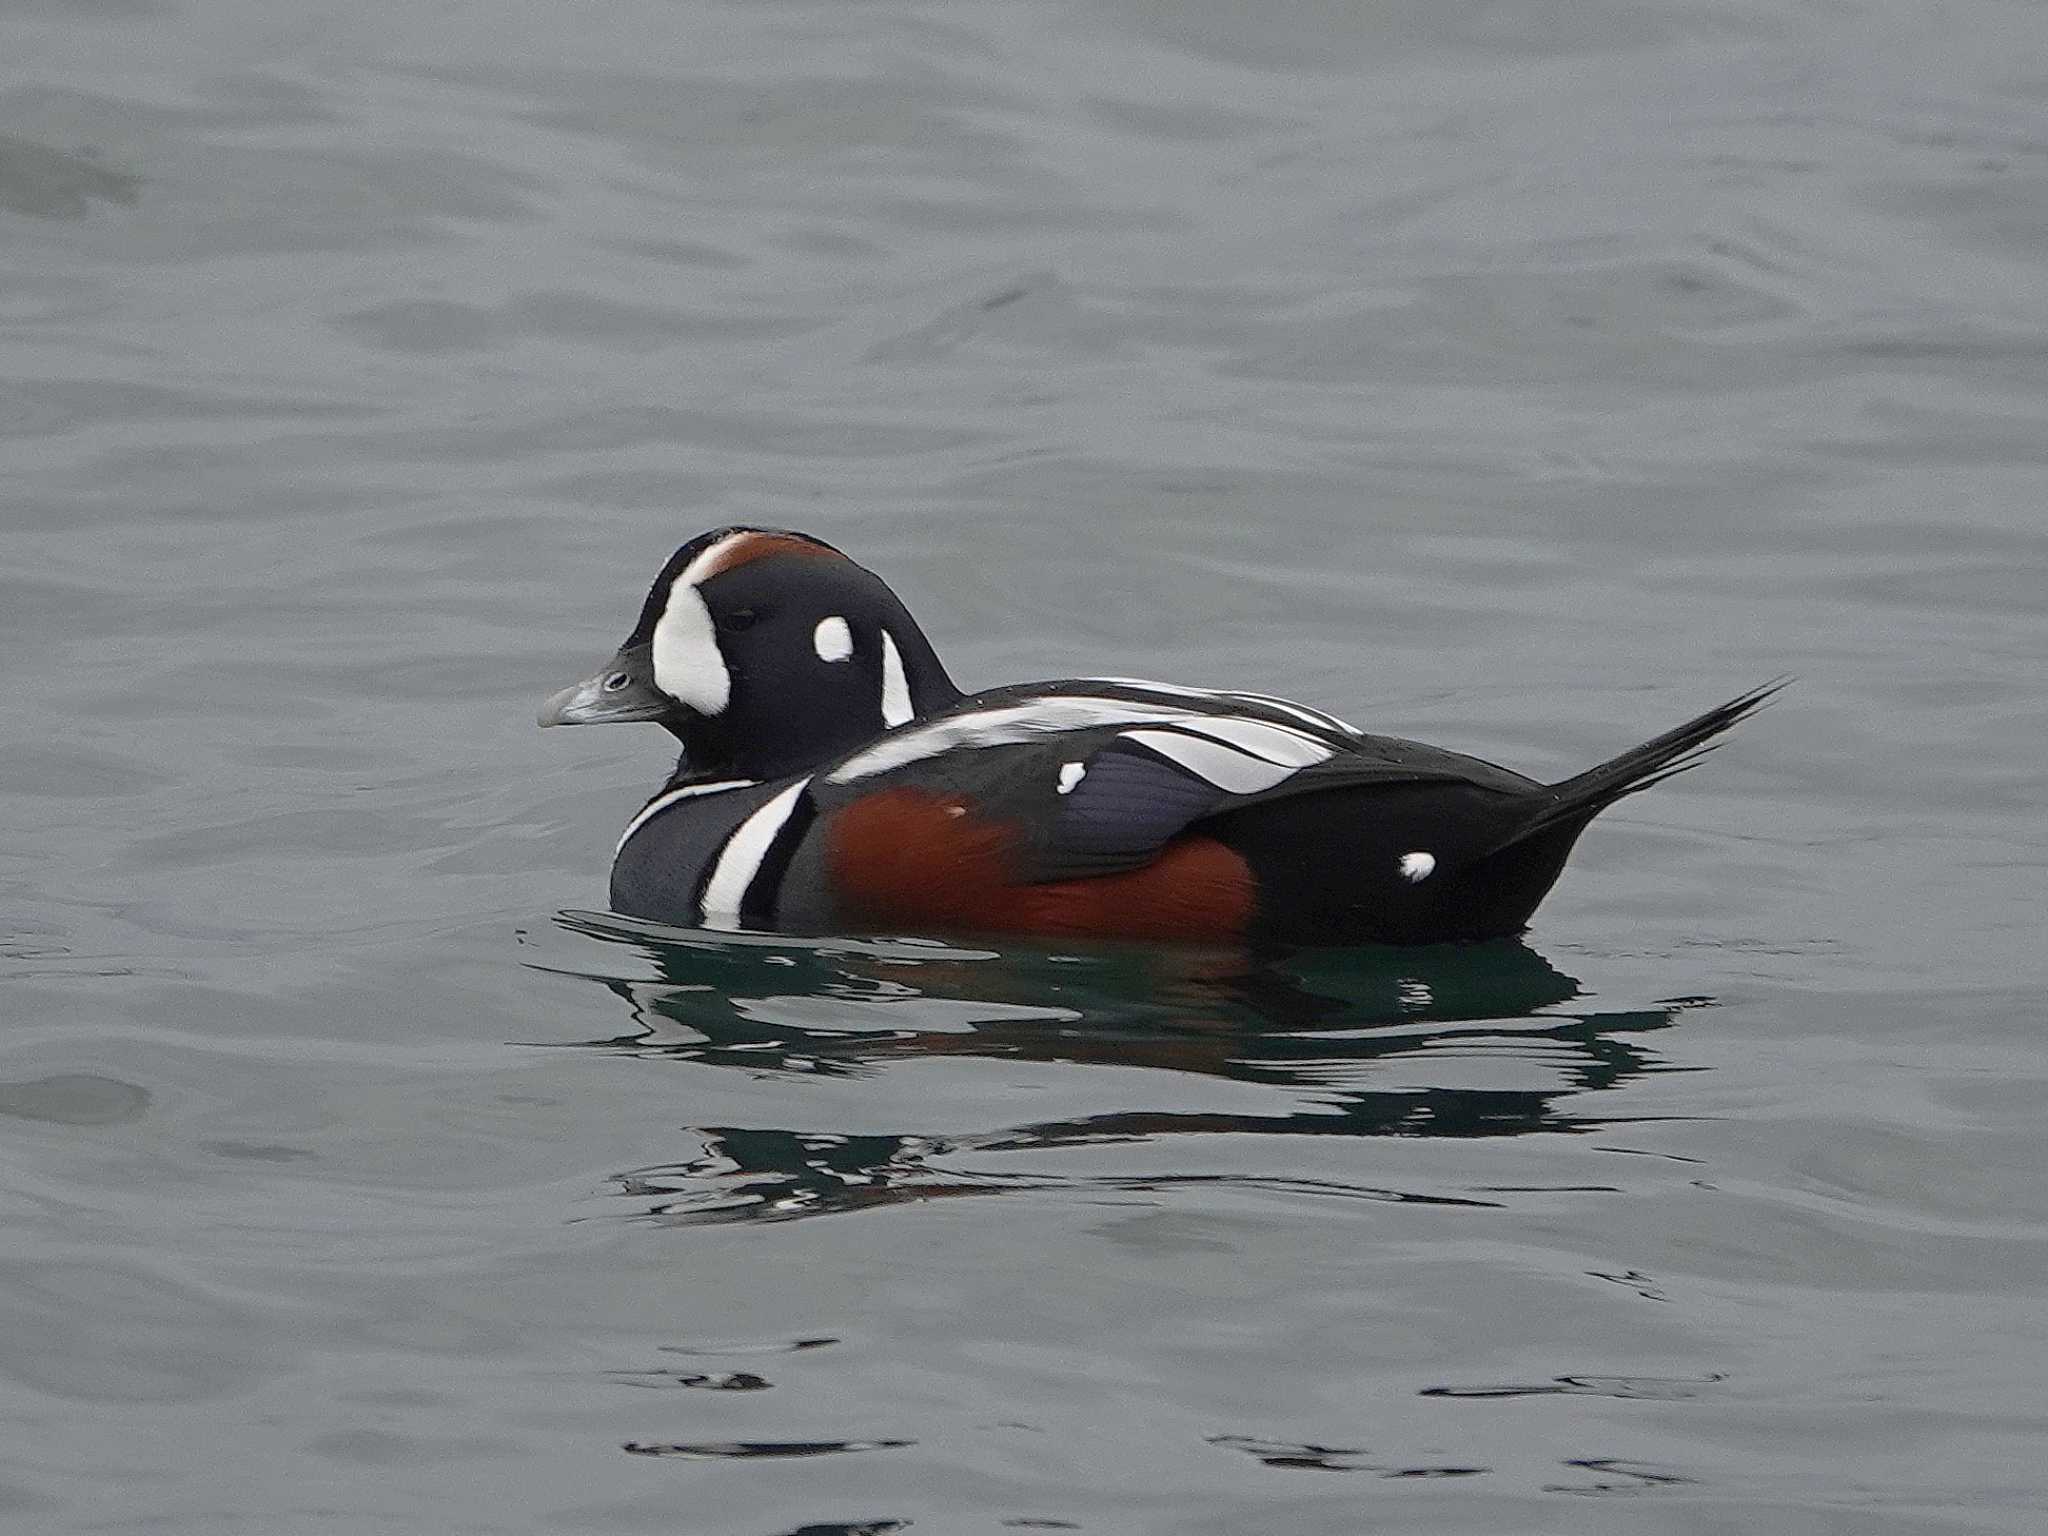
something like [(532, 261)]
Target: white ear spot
[(896, 708), (832, 640), (688, 665), (1070, 775), (1417, 867)]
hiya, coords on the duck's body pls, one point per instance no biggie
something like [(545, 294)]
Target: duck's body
[(833, 778)]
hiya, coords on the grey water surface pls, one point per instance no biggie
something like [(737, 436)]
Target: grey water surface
[(1520, 377)]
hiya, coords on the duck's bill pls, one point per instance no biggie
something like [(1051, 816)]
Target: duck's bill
[(623, 691)]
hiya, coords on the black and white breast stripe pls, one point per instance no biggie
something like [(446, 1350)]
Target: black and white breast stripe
[(667, 798), (739, 885)]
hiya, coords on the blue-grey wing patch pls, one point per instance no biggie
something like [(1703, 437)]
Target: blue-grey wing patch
[(1125, 804)]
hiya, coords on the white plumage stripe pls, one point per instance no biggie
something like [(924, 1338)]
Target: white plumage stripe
[(1005, 726), (740, 859), (1315, 717), (1321, 719), (896, 709), (662, 802), (711, 554), (1177, 690), (1275, 743), (1230, 770)]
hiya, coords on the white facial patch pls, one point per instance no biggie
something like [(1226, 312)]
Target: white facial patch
[(896, 708), (832, 639), (688, 665), (1417, 867), (1070, 775)]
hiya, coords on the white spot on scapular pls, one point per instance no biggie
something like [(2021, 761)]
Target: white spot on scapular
[(663, 801), (740, 859), (688, 665), (1070, 775), (1417, 867), (832, 639), (896, 708)]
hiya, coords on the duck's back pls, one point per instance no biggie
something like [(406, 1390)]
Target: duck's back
[(1076, 808)]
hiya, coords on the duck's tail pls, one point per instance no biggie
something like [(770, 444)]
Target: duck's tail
[(1577, 800)]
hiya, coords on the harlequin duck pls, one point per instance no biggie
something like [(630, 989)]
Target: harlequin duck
[(834, 778)]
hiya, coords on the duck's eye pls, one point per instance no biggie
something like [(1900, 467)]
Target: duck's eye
[(738, 619), (616, 681)]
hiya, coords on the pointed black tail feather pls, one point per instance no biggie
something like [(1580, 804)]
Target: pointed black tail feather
[(1580, 798)]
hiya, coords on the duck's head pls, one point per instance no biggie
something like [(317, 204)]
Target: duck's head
[(764, 652)]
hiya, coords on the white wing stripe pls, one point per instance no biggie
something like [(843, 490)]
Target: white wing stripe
[(1301, 712), (1232, 771), (1146, 685), (740, 860), (662, 802), (1275, 743), (1315, 717), (1006, 726)]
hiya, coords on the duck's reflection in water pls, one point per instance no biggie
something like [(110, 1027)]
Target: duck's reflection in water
[(1364, 1042)]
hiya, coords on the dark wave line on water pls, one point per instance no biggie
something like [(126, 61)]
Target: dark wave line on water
[(1288, 1456), (756, 1450), (1655, 1389), (1320, 1031)]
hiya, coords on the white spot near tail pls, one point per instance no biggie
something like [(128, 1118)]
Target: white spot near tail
[(1070, 775), (832, 640), (1417, 867)]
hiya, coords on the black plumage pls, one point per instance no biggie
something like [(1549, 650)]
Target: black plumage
[(832, 709)]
